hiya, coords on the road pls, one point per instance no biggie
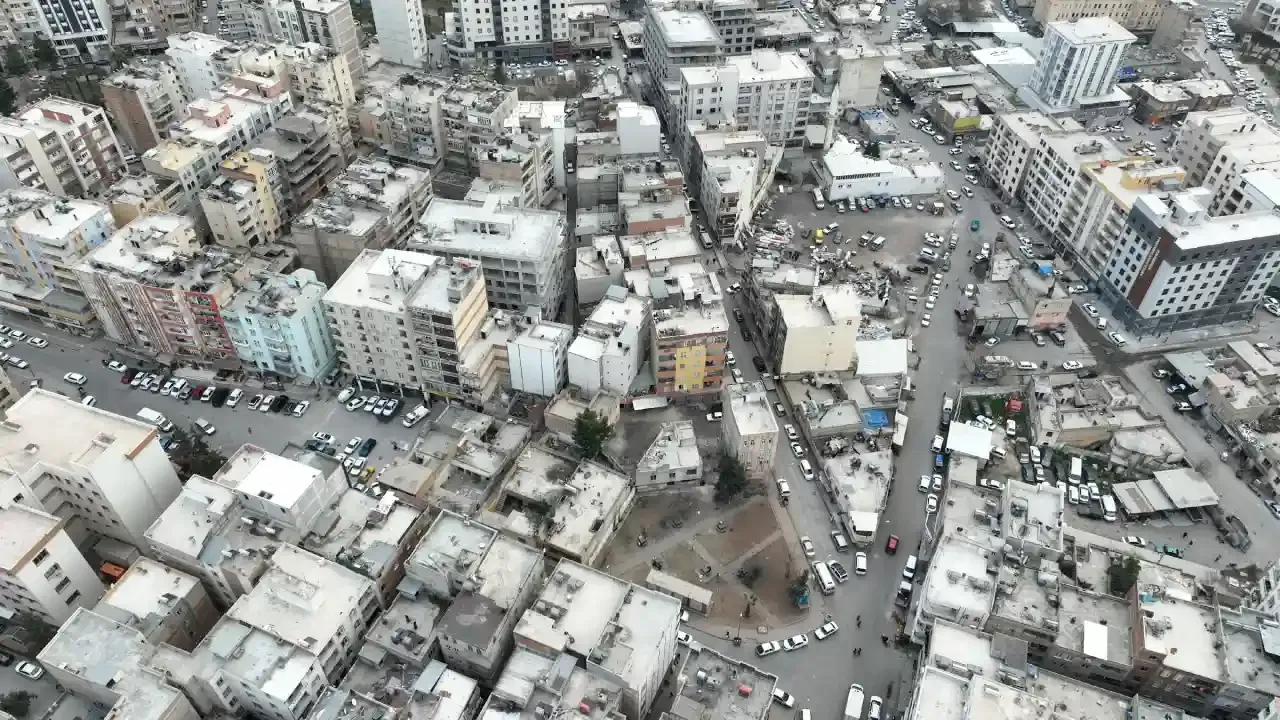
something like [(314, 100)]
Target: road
[(235, 426)]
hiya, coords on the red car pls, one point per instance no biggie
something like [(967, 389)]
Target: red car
[(891, 545)]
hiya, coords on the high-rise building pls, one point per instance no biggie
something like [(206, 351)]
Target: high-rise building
[(63, 146), (143, 98), (245, 204), (318, 74), (1201, 140), (767, 91), (325, 22), (690, 334), (402, 31), (1079, 61), (80, 30), (278, 325), (202, 62)]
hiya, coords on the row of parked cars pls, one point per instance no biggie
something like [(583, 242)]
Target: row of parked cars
[(181, 389)]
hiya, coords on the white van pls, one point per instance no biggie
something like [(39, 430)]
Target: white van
[(1109, 507), (877, 243), (806, 469), (998, 453), (1077, 471), (159, 421), (819, 201), (853, 703), (909, 570), (784, 489), (937, 444), (825, 582)]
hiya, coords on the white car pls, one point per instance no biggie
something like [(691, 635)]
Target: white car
[(928, 303), (992, 342), (768, 648), (782, 697), (1026, 365), (860, 563), (797, 449), (38, 342), (730, 359), (791, 432), (29, 669), (795, 642), (827, 629), (931, 504), (346, 394), (1006, 221), (1072, 365), (969, 290), (936, 483), (683, 638), (924, 320), (205, 426), (1089, 310), (1118, 339), (807, 546), (75, 378), (1135, 541), (301, 408)]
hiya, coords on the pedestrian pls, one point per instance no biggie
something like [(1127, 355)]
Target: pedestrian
[(1184, 534), (1190, 543), (1217, 558)]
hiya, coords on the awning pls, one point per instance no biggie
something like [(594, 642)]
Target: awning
[(653, 402)]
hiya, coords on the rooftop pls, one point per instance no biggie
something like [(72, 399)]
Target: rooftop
[(26, 530), (1086, 31), (685, 27), (147, 593), (749, 405), (395, 280), (163, 251), (829, 306), (369, 190), (676, 446), (769, 66), (1184, 216), (33, 434), (51, 219), (488, 229), (717, 687), (573, 503)]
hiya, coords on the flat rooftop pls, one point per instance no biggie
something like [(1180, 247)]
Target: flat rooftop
[(453, 544), (1034, 513), (149, 591), (676, 446), (829, 306), (488, 229), (33, 433), (1095, 624), (712, 688), (751, 408), (685, 27), (1182, 630), (958, 585), (257, 473), (26, 531), (575, 499), (1086, 31)]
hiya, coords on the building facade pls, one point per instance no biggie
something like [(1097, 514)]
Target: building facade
[(277, 323), (1079, 61)]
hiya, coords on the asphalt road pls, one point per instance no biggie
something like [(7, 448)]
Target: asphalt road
[(235, 426)]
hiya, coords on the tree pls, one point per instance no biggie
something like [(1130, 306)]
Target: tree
[(8, 98), (800, 587), (1123, 575), (590, 433), (872, 150), (732, 480), (44, 53), (14, 63), (17, 704), (191, 455)]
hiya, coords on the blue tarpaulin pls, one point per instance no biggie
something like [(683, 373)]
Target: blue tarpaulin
[(1045, 269), (875, 418)]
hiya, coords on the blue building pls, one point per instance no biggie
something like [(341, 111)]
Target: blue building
[(278, 325)]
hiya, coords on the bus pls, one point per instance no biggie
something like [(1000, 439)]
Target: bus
[(825, 582), (948, 407), (819, 201), (899, 432)]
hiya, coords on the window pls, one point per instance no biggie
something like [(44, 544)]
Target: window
[(41, 557)]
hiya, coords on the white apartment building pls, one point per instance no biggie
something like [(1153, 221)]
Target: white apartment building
[(60, 145), (1008, 153), (402, 32), (523, 250), (278, 325), (43, 576), (143, 98), (111, 475), (750, 428), (1226, 178), (767, 91), (1253, 190), (611, 344), (164, 604), (674, 39), (523, 164), (1176, 267), (509, 32), (537, 354), (817, 333), (245, 205), (416, 322), (672, 459), (80, 30), (1205, 134), (630, 628), (44, 239), (319, 74), (1055, 172), (845, 173), (1079, 61), (202, 62)]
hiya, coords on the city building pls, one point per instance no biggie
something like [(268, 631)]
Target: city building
[(597, 268), (523, 163), (508, 36), (1255, 189), (816, 333), (537, 354), (9, 393), (245, 204), (107, 663), (779, 87), (672, 460), (164, 604), (676, 38), (1079, 62), (402, 32), (110, 476), (1011, 146), (311, 147), (319, 75), (1205, 135), (729, 188), (523, 250), (278, 325), (80, 30), (1136, 16), (375, 204), (690, 333), (750, 429), (732, 690), (156, 288), (135, 195), (611, 344), (43, 576), (411, 321), (628, 630), (63, 146), (202, 62), (845, 173), (1056, 172), (487, 578), (1174, 266), (1263, 15), (1234, 162), (143, 98), (45, 238)]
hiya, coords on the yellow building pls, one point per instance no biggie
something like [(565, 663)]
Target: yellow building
[(243, 203)]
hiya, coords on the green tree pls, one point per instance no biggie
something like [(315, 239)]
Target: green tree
[(590, 433), (8, 98), (732, 480), (17, 704), (1123, 575), (14, 63), (800, 587), (191, 455), (872, 150), (44, 53)]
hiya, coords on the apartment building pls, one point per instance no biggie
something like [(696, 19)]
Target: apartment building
[(80, 30), (611, 344), (164, 604), (776, 88), (9, 393), (245, 205), (402, 32), (162, 18), (43, 576), (107, 663), (278, 325), (523, 251), (537, 355), (1056, 169), (672, 459), (415, 322), (522, 163), (44, 238), (325, 22), (319, 74), (202, 62), (1205, 134), (1225, 178), (158, 289), (750, 429), (311, 147), (62, 146), (433, 118), (1253, 190), (675, 39), (1263, 15), (143, 99), (1011, 146), (508, 34), (630, 628), (1174, 266), (690, 333), (374, 205), (1137, 16), (729, 184), (134, 195), (1079, 61), (485, 576), (110, 476), (816, 333)]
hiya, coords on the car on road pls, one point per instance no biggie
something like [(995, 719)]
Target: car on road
[(37, 342), (992, 342), (1072, 365), (1183, 407), (1160, 373), (780, 409), (267, 402), (366, 447), (1117, 338), (1274, 508), (75, 378), (937, 483), (18, 362), (301, 408), (353, 404), (807, 546), (918, 269), (797, 449), (891, 545), (931, 504), (1172, 551), (206, 395), (758, 363), (1058, 338), (716, 416), (795, 642), (826, 630), (17, 335), (1006, 221), (324, 438), (1135, 541), (925, 320), (346, 394), (783, 698), (1176, 388), (1026, 365), (233, 399), (768, 648), (860, 563), (205, 426), (874, 708), (29, 669), (837, 571), (1090, 310)]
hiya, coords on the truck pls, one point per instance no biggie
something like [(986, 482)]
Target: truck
[(160, 422), (899, 433)]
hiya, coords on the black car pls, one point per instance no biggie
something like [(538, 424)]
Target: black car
[(746, 334), (737, 314), (1087, 373), (758, 362), (838, 571), (996, 207), (219, 397), (366, 447), (1058, 338), (278, 404), (918, 269), (315, 445)]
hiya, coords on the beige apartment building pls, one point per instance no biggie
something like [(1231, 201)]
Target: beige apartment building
[(1136, 16), (143, 98)]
